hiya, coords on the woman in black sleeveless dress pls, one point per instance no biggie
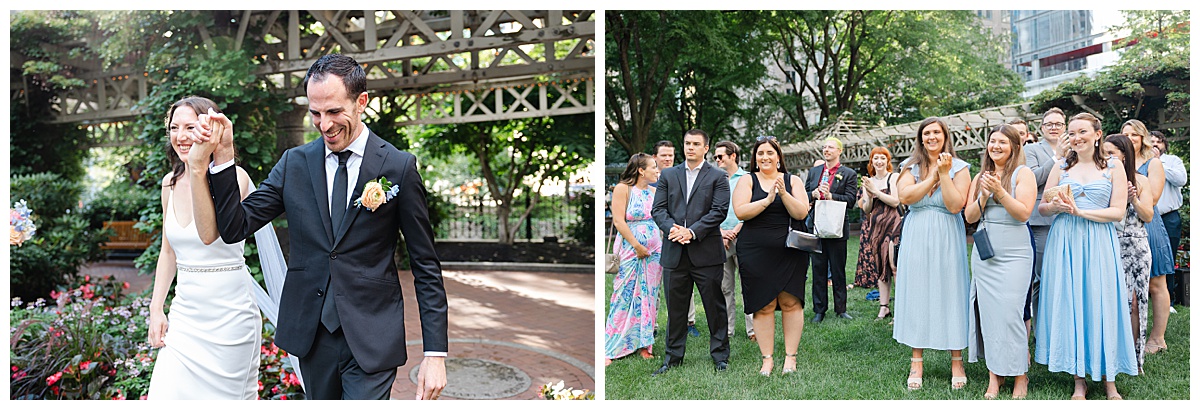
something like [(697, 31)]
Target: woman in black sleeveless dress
[(773, 275)]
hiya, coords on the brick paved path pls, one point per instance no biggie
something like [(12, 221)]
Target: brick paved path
[(542, 323)]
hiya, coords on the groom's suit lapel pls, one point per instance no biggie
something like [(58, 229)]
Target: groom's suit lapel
[(316, 168), (369, 170)]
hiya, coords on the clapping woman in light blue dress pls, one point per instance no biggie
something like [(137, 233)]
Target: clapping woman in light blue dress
[(932, 281), (1004, 195), (1083, 322)]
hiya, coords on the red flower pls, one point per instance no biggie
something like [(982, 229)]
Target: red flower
[(283, 398), (15, 369), (260, 385), (274, 389), (53, 379), (85, 365), (125, 285)]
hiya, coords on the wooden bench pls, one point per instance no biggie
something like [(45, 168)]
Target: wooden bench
[(125, 237)]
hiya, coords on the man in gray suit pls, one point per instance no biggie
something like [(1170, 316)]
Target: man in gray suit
[(1040, 157)]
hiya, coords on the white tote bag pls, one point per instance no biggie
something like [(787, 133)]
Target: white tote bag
[(828, 218)]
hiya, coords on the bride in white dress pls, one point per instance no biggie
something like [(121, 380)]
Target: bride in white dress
[(211, 339)]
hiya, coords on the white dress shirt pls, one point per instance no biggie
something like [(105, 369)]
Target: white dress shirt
[(691, 173)]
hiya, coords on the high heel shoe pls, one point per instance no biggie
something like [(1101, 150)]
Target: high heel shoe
[(958, 382), (884, 311), (767, 372), (787, 370), (915, 383)]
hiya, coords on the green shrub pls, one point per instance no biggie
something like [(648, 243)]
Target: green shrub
[(64, 240), (583, 230), (120, 201)]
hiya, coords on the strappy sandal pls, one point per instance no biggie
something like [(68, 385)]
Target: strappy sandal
[(883, 314), (915, 383), (956, 380), (787, 370), (767, 372), (1152, 348)]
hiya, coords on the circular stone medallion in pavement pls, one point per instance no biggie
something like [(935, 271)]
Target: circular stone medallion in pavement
[(480, 379)]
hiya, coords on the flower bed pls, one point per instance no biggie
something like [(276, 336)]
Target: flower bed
[(89, 342)]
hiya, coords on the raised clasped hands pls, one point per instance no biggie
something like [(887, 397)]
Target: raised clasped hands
[(1133, 192), (780, 186), (212, 131), (679, 234), (1064, 203), (990, 184), (944, 162)]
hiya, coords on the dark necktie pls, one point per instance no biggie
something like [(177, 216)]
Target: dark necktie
[(337, 208)]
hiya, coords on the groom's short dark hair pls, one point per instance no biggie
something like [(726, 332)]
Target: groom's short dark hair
[(352, 74)]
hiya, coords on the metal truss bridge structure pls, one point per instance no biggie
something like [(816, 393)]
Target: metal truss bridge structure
[(448, 66), (969, 131)]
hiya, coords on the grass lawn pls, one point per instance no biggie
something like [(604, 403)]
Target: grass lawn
[(858, 359)]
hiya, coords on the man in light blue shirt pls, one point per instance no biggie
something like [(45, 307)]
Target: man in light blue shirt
[(727, 156), (1171, 199)]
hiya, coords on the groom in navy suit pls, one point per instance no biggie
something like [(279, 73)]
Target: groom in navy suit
[(342, 310)]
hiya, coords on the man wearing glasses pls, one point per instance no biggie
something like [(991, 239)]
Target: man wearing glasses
[(1041, 157)]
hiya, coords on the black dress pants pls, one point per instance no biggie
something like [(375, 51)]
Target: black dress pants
[(331, 373), (707, 280), (832, 259)]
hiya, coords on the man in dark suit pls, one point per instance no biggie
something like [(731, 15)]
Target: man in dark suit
[(831, 181), (689, 205), (1041, 157), (341, 311)]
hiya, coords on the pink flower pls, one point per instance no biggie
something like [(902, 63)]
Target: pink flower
[(14, 368), (53, 379), (260, 385), (274, 389), (125, 285), (85, 365), (142, 398), (283, 398), (87, 278)]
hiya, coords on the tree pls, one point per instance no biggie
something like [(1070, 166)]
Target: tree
[(892, 65), (510, 153), (43, 42), (1155, 35)]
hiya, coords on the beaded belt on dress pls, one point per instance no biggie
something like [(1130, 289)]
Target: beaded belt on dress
[(227, 268)]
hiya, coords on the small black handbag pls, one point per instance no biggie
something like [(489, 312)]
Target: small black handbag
[(983, 244)]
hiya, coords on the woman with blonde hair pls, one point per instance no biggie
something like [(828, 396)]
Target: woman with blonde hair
[(1083, 322), (1160, 244), (880, 203), (1004, 194)]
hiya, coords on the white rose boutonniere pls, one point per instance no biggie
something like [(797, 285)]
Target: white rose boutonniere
[(376, 193)]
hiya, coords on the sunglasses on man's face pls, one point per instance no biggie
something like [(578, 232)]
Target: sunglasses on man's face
[(719, 157), (766, 138)]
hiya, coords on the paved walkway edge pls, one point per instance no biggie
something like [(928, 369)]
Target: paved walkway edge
[(587, 368), (520, 267)]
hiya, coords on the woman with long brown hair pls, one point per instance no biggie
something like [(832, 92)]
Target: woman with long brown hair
[(210, 341), (1004, 193), (932, 280), (1083, 323), (633, 309)]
